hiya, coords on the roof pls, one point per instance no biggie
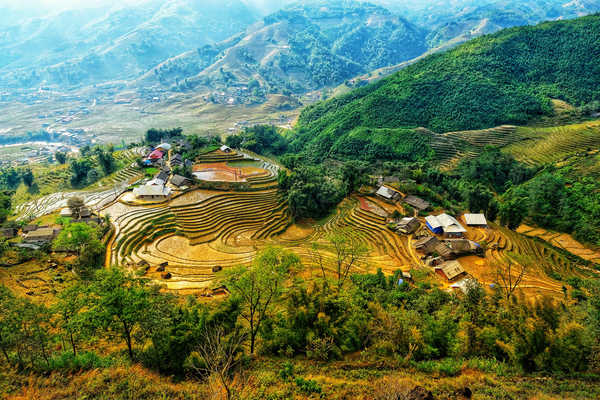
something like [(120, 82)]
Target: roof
[(451, 269), (164, 146), (475, 219), (156, 181), (156, 154), (225, 148), (179, 180), (387, 192), (41, 233), (176, 157), (152, 190), (417, 202), (462, 245), (426, 241), (408, 222), (163, 176), (447, 222)]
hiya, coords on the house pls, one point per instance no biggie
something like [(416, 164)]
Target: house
[(431, 245), (163, 176), (444, 224), (462, 247), (426, 244), (30, 228), (176, 160), (464, 285), (156, 155), (180, 181), (408, 225), (225, 149), (164, 147), (388, 194), (42, 235), (9, 232), (450, 270), (67, 212), (152, 192), (477, 220), (417, 202)]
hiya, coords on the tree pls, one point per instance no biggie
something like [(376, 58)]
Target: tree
[(28, 177), (259, 286), (348, 252), (119, 304), (83, 239), (61, 157), (79, 171), (509, 276), (9, 322), (76, 204), (220, 355), (70, 303)]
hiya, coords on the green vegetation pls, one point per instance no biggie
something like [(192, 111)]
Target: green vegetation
[(508, 77), (262, 139)]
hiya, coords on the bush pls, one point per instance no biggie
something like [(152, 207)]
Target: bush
[(308, 386), (69, 363)]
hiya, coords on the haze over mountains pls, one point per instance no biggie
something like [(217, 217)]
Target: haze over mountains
[(191, 53)]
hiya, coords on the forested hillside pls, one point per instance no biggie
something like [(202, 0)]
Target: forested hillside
[(509, 77)]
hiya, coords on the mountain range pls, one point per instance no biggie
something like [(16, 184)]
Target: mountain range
[(192, 44)]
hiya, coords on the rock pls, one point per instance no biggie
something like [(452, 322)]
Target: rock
[(217, 268), (166, 275), (160, 268), (419, 393)]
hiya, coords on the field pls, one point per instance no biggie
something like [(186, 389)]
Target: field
[(551, 144)]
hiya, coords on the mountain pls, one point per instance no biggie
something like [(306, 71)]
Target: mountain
[(304, 47), (509, 77), (88, 46)]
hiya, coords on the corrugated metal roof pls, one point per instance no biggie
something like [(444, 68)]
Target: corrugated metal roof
[(475, 219)]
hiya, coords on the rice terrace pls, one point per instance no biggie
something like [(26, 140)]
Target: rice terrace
[(235, 209)]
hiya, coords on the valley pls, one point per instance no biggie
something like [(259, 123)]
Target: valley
[(260, 199)]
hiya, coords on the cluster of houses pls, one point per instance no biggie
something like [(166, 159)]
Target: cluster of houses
[(445, 242), (160, 187)]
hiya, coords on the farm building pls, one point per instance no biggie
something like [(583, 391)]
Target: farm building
[(416, 202), (444, 224), (164, 146), (426, 244), (8, 232), (408, 225), (475, 220), (42, 235), (225, 149), (152, 192), (388, 194), (180, 181), (31, 228), (67, 212), (176, 161), (163, 176), (462, 247), (156, 155), (450, 270)]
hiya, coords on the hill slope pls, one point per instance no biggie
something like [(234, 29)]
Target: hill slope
[(304, 47), (89, 46), (510, 77)]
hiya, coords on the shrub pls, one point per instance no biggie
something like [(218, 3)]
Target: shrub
[(308, 386), (69, 363)]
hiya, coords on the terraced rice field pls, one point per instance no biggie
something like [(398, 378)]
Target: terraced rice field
[(563, 241), (452, 146), (540, 260), (96, 197), (204, 229), (548, 145)]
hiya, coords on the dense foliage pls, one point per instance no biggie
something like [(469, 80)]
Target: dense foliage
[(262, 139), (154, 136), (509, 77), (377, 315)]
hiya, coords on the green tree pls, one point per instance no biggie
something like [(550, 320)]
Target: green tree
[(28, 177), (259, 286), (121, 304), (83, 239), (67, 310), (61, 158)]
